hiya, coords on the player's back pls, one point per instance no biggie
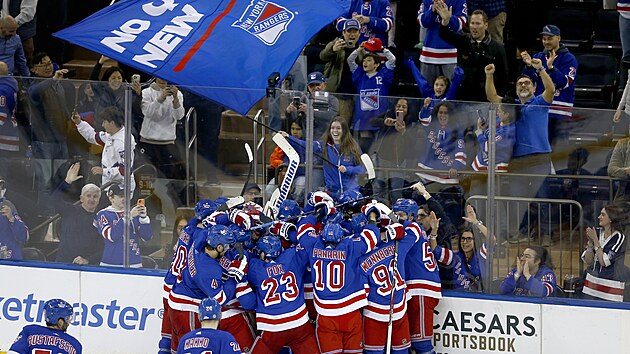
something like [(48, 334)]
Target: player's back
[(208, 340), (178, 262), (421, 269), (201, 278), (280, 298), (338, 285), (376, 267), (40, 339)]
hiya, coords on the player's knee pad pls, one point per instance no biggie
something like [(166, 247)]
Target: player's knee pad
[(423, 347), (165, 345)]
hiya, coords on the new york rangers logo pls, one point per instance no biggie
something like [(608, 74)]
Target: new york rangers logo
[(265, 20), (369, 99)]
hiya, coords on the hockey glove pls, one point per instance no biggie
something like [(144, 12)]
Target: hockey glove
[(394, 232), (319, 197), (238, 268), (282, 229), (241, 218)]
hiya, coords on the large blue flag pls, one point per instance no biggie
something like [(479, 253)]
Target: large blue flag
[(221, 49)]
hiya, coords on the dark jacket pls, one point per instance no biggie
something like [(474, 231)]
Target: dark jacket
[(473, 58)]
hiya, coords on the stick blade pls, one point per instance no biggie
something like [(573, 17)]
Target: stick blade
[(250, 155), (369, 166)]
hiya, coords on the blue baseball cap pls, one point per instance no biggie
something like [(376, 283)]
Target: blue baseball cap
[(550, 30), (316, 78), (351, 23)]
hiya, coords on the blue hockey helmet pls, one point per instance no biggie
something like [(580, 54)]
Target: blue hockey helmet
[(55, 309), (221, 200), (271, 245), (209, 309), (220, 235), (289, 208), (240, 235), (408, 206), (332, 233), (357, 223), (204, 208), (351, 198)]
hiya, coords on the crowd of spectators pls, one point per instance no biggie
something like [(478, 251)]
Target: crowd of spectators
[(464, 57)]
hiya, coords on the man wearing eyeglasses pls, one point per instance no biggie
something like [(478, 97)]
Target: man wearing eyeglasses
[(11, 50)]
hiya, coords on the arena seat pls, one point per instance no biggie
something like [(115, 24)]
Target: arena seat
[(576, 25), (33, 254), (596, 79), (606, 34)]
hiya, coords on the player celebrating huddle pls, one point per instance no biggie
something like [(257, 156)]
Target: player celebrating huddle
[(202, 277), (386, 279), (280, 309), (337, 283), (54, 339)]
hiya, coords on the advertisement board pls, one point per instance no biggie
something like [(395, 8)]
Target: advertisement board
[(114, 313), (482, 326)]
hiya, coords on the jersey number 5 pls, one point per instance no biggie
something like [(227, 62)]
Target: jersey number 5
[(271, 286)]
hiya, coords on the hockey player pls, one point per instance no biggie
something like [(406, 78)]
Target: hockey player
[(281, 313), (372, 81), (52, 338), (208, 339), (422, 278), (203, 209), (202, 277), (338, 284), (374, 16), (384, 269), (111, 226)]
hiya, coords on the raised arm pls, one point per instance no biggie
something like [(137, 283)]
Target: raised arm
[(491, 91), (550, 88)]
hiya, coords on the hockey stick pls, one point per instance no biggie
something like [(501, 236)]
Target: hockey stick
[(390, 324), (281, 193), (250, 158), (231, 203), (369, 166)]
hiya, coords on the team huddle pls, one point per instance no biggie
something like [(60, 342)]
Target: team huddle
[(363, 273)]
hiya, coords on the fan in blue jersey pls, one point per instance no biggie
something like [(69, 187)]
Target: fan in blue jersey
[(111, 226), (445, 149), (505, 137), (443, 88), (375, 17), (208, 339), (281, 312), (52, 338), (533, 275), (337, 283), (372, 81), (384, 268)]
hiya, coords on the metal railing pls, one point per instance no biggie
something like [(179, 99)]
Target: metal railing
[(191, 143)]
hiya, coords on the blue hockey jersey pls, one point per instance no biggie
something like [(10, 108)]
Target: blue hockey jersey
[(372, 90), (208, 340), (467, 274), (445, 147), (422, 276), (279, 287), (435, 49), (381, 19), (563, 76), (111, 226), (541, 284), (202, 277), (505, 138), (338, 285), (40, 339), (243, 291), (178, 262), (375, 266)]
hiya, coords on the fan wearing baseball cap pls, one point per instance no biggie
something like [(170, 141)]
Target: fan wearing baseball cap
[(111, 227), (562, 68), (372, 80), (375, 17)]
